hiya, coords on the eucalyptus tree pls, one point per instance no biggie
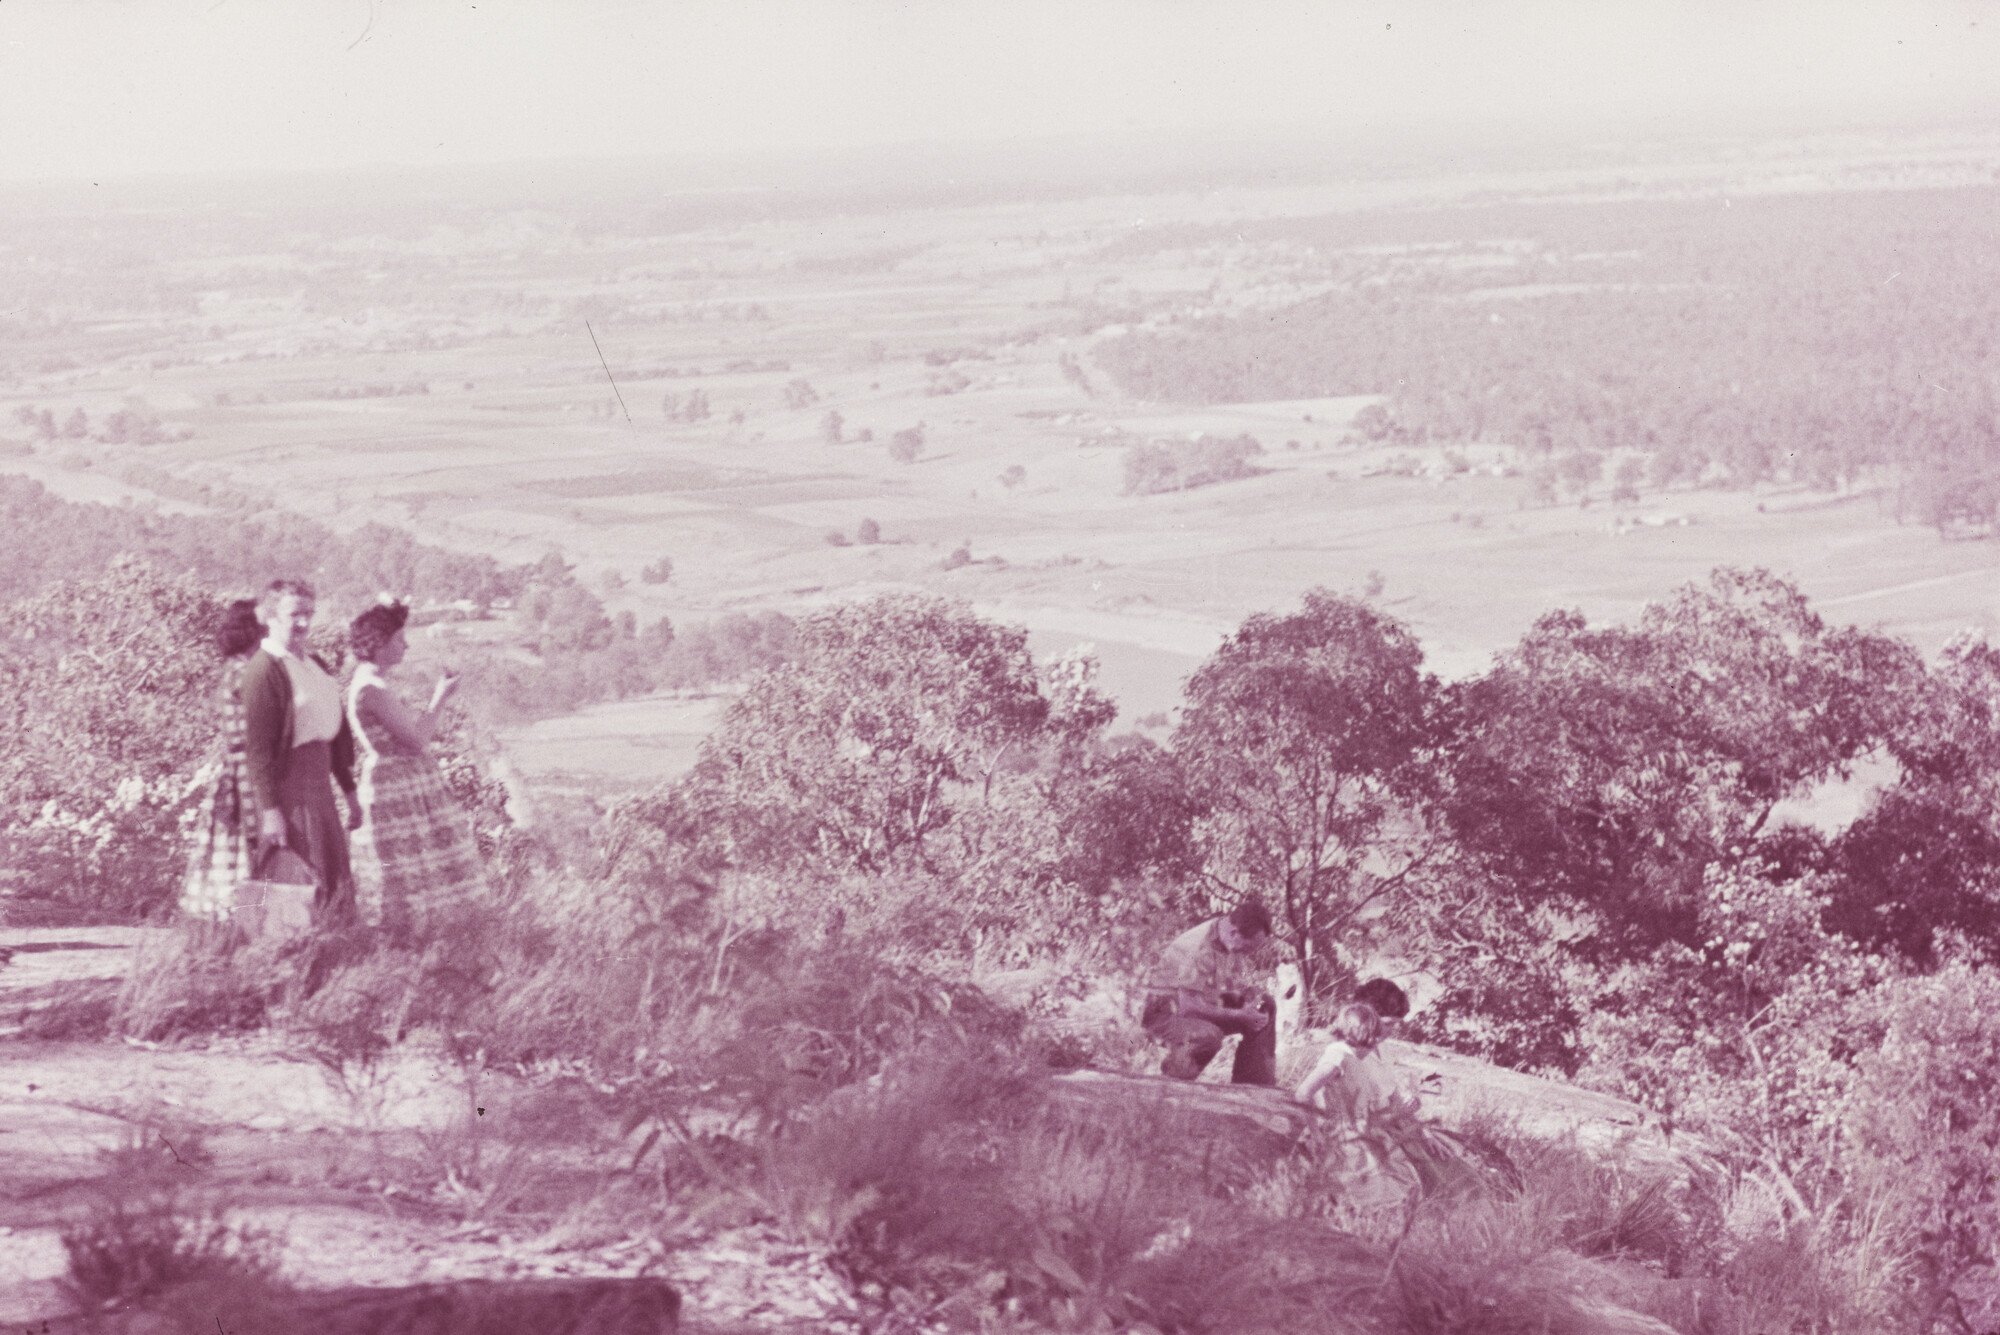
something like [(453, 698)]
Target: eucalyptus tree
[(1305, 743), (850, 754), (1608, 768)]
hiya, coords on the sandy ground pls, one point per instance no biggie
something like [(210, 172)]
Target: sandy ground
[(395, 1173), (361, 1174)]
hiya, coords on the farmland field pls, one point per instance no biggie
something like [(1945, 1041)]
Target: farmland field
[(611, 368)]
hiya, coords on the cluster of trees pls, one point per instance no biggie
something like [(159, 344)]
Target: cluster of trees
[(1073, 372), (582, 655), (53, 540), (867, 533), (1583, 844), (691, 408), (378, 390), (1790, 337), (134, 424), (909, 742), (1179, 465), (1603, 776), (947, 356)]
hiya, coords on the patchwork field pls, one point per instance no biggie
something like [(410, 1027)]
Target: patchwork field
[(520, 372)]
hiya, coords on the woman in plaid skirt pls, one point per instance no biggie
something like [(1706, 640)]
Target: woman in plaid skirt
[(219, 855), (417, 850)]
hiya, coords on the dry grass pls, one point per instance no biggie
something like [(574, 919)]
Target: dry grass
[(130, 1251), (720, 1066), (953, 1191)]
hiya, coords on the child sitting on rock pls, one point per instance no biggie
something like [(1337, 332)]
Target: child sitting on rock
[(1361, 1080)]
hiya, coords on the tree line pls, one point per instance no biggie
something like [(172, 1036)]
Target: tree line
[(1584, 845), (1795, 337), (580, 653), (54, 539)]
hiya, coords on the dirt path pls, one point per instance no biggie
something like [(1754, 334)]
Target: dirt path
[(416, 1168), (408, 1171)]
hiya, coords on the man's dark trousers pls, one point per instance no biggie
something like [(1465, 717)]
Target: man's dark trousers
[(1192, 1043)]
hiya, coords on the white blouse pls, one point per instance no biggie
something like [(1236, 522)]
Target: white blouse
[(315, 700)]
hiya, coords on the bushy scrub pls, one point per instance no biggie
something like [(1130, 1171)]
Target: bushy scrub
[(109, 685), (127, 1252), (958, 1191), (912, 874), (1920, 1140), (968, 1190)]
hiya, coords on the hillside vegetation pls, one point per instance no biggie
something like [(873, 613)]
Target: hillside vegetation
[(909, 817), (557, 647), (1806, 338)]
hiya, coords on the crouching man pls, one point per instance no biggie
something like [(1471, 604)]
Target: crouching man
[(1205, 988)]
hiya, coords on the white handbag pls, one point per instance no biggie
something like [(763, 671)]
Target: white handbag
[(278, 902)]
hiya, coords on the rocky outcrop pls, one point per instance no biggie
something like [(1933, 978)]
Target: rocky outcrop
[(497, 1307)]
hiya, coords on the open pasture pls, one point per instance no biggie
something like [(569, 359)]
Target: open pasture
[(608, 376)]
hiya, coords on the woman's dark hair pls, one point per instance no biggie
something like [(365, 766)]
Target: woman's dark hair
[(1387, 1000), (1251, 919), (375, 628), (239, 630)]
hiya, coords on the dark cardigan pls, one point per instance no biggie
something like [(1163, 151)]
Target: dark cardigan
[(267, 730)]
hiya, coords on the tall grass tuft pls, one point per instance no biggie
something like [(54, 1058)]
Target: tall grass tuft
[(132, 1251), (198, 979)]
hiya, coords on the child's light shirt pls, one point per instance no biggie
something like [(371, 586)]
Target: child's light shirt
[(1362, 1082)]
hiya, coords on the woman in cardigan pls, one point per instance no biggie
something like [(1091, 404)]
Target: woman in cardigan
[(423, 848), (219, 856), (297, 746)]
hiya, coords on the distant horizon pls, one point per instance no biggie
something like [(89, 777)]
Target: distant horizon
[(1118, 160), (92, 90)]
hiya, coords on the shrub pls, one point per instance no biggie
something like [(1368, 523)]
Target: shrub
[(729, 648), (958, 1188), (1922, 1137), (969, 1190), (1178, 465), (198, 979), (97, 776), (127, 1252)]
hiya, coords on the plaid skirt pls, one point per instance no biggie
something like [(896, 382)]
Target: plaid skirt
[(415, 856), (219, 850)]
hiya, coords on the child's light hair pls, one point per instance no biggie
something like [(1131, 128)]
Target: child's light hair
[(1358, 1025)]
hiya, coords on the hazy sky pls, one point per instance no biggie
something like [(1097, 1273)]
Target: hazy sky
[(97, 88)]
